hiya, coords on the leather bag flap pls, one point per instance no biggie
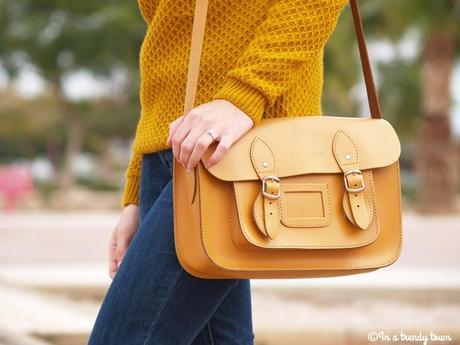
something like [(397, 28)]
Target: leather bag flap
[(304, 145)]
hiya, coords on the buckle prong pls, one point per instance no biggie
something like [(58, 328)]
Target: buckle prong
[(264, 187), (347, 187)]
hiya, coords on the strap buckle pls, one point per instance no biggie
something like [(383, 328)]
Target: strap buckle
[(270, 195), (354, 172)]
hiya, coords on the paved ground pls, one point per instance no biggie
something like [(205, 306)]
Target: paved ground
[(52, 276), (83, 237)]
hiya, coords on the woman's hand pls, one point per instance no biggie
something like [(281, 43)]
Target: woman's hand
[(122, 236), (189, 135)]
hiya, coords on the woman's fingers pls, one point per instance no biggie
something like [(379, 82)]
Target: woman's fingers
[(122, 236), (117, 250), (189, 139), (122, 247), (199, 149), (224, 145), (178, 137), (188, 145), (173, 126), (113, 262)]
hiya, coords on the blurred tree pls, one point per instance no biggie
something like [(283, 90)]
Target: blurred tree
[(25, 127), (341, 74), (57, 38), (398, 80), (412, 92), (436, 156)]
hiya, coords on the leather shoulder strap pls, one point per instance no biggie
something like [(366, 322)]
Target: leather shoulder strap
[(199, 23), (372, 96)]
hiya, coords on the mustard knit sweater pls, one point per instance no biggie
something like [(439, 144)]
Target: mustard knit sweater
[(264, 56)]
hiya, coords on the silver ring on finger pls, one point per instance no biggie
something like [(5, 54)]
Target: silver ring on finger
[(212, 135)]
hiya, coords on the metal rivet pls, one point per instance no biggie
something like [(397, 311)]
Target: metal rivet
[(265, 164), (347, 157)]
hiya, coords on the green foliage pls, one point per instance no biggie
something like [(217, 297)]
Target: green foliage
[(392, 18), (400, 94), (400, 88), (28, 128), (341, 66), (59, 36), (399, 80), (98, 185)]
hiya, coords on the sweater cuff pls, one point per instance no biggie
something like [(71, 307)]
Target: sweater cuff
[(247, 98), (131, 191)]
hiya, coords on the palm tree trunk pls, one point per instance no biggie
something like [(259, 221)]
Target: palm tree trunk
[(74, 136), (73, 148), (436, 159)]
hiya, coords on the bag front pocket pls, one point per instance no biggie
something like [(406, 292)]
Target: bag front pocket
[(311, 214), (305, 205)]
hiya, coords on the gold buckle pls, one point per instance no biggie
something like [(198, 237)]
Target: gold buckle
[(264, 187), (347, 187)]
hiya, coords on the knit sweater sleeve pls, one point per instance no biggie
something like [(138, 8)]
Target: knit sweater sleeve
[(132, 183), (293, 32), (147, 9)]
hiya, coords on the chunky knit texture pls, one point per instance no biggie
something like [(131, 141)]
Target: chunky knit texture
[(264, 56)]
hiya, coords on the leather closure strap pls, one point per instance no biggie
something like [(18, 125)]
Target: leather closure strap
[(264, 163), (347, 156)]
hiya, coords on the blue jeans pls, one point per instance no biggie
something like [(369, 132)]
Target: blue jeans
[(152, 299)]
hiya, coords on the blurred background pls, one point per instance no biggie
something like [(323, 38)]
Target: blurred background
[(68, 111)]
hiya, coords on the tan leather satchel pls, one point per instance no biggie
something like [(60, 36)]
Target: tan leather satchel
[(309, 196)]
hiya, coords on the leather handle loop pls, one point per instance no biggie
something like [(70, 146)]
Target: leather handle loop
[(199, 23)]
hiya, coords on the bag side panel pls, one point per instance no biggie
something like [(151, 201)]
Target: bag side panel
[(187, 230)]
